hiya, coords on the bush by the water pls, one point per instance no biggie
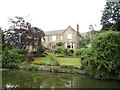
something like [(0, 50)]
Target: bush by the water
[(103, 60), (22, 53), (10, 59)]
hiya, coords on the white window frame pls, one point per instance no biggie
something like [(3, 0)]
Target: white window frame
[(69, 36), (61, 38), (54, 38), (71, 44)]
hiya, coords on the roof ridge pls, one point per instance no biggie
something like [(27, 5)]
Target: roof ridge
[(55, 30)]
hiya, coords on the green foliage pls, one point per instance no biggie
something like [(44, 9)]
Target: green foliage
[(85, 53), (60, 54), (111, 16), (35, 53), (70, 52), (59, 49), (78, 52), (62, 60), (82, 43), (38, 63), (1, 43), (53, 59), (40, 51), (59, 44), (10, 59), (20, 51), (67, 66), (28, 66), (65, 51), (103, 59)]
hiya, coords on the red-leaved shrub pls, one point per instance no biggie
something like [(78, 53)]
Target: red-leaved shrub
[(30, 57)]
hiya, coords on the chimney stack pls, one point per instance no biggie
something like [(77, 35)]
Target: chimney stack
[(77, 28)]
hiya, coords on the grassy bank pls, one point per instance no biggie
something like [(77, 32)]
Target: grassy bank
[(67, 65), (62, 60)]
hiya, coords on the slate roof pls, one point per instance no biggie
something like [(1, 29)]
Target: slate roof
[(55, 32)]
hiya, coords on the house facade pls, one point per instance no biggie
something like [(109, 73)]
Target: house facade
[(69, 37)]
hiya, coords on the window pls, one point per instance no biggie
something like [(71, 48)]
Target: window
[(53, 38), (61, 38), (69, 36), (69, 45), (53, 46)]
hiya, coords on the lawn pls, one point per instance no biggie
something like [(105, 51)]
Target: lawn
[(62, 60)]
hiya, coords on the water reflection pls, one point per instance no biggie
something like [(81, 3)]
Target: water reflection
[(38, 79), (11, 86), (69, 84)]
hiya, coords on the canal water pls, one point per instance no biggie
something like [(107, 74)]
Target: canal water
[(40, 79)]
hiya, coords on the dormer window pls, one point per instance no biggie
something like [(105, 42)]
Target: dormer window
[(69, 36)]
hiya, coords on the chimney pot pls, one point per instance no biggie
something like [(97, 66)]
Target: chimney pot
[(77, 28)]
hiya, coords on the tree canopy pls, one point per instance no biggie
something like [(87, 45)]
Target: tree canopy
[(111, 16), (21, 34)]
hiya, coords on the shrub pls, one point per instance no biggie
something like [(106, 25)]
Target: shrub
[(65, 51), (70, 52), (48, 64), (59, 49), (105, 58), (53, 59), (30, 57), (78, 52), (22, 57), (10, 59), (85, 53), (40, 51), (60, 54), (38, 63), (35, 53), (30, 67), (67, 66), (59, 44), (20, 51)]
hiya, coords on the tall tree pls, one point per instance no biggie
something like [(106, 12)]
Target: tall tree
[(111, 16), (21, 34), (1, 40)]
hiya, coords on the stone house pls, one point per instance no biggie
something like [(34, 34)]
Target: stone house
[(69, 37)]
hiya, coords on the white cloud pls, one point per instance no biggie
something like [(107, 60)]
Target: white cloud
[(54, 14)]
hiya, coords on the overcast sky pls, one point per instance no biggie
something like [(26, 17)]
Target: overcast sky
[(54, 14)]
